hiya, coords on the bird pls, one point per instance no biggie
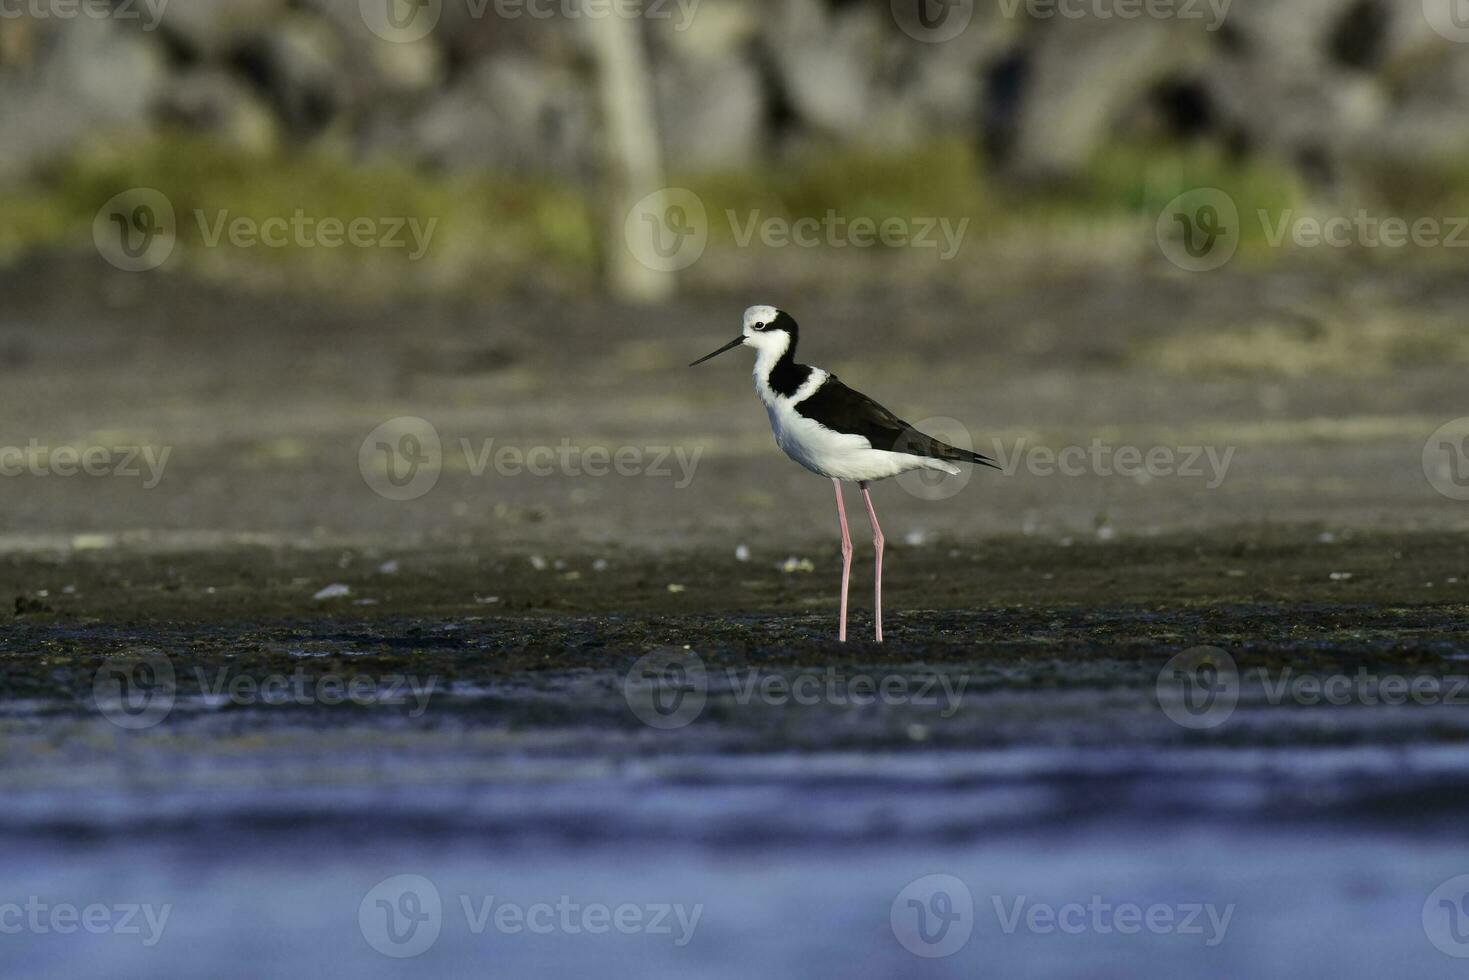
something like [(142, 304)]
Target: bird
[(836, 432)]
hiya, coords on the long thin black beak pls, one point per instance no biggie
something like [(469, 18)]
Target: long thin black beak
[(729, 346)]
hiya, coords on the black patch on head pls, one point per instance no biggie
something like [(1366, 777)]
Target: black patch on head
[(784, 321)]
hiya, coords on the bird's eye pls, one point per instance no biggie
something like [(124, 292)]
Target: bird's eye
[(761, 326)]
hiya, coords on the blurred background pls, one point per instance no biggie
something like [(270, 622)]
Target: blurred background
[(1057, 126), (255, 230), (283, 281)]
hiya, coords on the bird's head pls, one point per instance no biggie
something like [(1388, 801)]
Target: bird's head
[(770, 331)]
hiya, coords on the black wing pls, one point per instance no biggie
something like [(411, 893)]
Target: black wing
[(841, 409)]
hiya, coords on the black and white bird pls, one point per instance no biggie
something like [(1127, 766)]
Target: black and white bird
[(834, 431)]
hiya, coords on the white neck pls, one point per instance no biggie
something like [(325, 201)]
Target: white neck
[(769, 349)]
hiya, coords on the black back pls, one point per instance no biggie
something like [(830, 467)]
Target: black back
[(841, 409)]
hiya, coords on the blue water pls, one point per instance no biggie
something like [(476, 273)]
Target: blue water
[(1077, 833)]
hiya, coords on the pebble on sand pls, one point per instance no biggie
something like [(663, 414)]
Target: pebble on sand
[(334, 591)]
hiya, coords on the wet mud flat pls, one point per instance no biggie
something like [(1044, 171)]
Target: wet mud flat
[(767, 795), (187, 725)]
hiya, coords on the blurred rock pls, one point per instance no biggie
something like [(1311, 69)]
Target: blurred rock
[(822, 60), (373, 67), (513, 114), (1083, 73), (712, 114), (1281, 88), (211, 102), (207, 29), (298, 66), (1333, 87), (711, 98), (83, 79)]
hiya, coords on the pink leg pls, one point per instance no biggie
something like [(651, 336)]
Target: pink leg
[(877, 541), (846, 560)]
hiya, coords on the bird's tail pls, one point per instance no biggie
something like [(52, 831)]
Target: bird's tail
[(921, 444), (968, 456)]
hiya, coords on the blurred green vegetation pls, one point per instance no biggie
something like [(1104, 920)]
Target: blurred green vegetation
[(491, 231), (494, 233), (1125, 184)]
